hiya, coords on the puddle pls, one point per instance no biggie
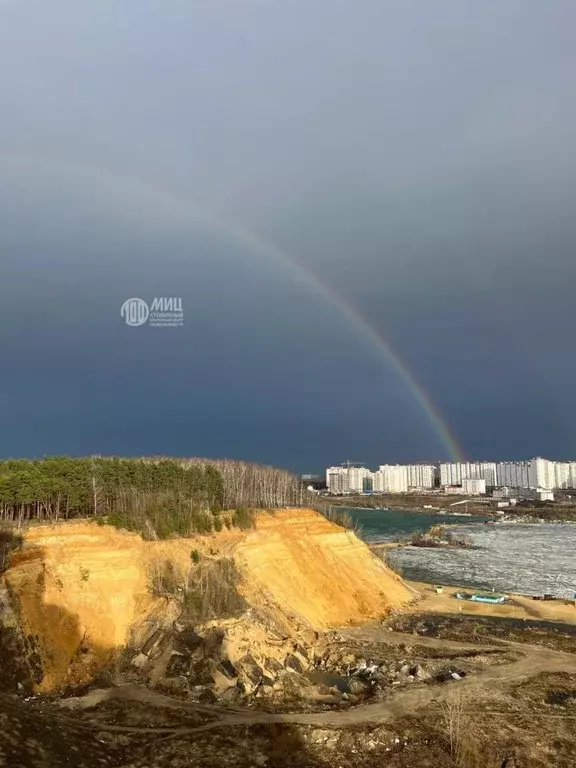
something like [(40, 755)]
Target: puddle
[(320, 677)]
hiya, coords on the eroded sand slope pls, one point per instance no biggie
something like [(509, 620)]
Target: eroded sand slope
[(82, 591)]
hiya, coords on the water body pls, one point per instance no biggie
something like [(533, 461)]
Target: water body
[(394, 524), (510, 557)]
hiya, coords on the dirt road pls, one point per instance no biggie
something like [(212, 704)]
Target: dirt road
[(533, 660)]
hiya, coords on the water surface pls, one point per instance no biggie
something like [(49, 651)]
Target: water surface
[(528, 558)]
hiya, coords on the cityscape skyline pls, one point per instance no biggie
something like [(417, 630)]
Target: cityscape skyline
[(474, 477)]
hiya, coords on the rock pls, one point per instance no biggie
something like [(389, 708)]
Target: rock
[(273, 665), (155, 644), (448, 674), (228, 668), (140, 660), (301, 650), (294, 663), (250, 669), (201, 673), (230, 695), (357, 686), (220, 679), (161, 665), (405, 669), (207, 697), (188, 640), (509, 762), (178, 665), (302, 659), (419, 672), (213, 640)]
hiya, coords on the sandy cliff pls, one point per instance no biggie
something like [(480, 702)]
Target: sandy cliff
[(82, 591)]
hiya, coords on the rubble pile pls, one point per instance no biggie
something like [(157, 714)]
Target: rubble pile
[(240, 661)]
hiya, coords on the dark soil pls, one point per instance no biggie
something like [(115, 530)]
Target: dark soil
[(561, 637)]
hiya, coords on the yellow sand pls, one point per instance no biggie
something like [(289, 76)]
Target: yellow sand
[(83, 591), (516, 607)]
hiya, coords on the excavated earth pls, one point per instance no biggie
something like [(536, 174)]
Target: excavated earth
[(106, 658)]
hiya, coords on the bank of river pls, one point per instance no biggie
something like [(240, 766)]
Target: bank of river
[(509, 557)]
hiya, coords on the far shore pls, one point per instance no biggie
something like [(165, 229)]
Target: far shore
[(436, 504)]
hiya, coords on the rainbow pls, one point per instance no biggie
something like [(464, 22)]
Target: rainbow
[(161, 196)]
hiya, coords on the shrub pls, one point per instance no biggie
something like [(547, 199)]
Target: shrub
[(9, 541), (165, 581), (244, 518), (211, 591)]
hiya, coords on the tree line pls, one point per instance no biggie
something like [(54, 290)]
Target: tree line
[(158, 497), (256, 485)]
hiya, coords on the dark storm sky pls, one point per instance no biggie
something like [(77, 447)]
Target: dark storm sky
[(418, 158)]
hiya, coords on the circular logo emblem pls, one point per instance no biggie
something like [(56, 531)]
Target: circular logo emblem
[(135, 312)]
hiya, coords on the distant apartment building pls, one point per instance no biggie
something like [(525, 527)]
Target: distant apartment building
[(391, 478), (513, 474), (360, 479), (337, 480), (420, 476), (565, 474), (454, 473), (348, 479), (542, 474)]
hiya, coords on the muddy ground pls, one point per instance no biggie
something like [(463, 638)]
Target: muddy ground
[(511, 702)]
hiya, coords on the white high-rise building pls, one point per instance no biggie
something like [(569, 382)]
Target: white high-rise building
[(450, 473), (337, 480), (420, 475), (562, 474), (360, 479), (455, 473), (572, 480), (487, 471), (391, 478), (348, 479), (513, 474), (542, 474)]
